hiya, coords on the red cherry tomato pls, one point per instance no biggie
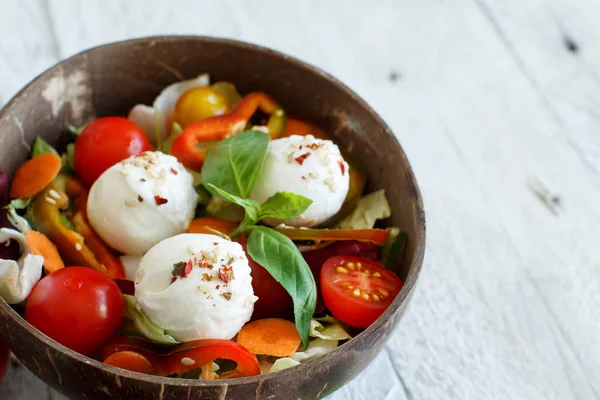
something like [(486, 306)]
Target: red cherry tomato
[(4, 358), (103, 143), (316, 258), (357, 290), (78, 307), (273, 300)]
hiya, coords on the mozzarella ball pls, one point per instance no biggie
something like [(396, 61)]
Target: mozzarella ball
[(196, 286), (140, 201), (311, 167)]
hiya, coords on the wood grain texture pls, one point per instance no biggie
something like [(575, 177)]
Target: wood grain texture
[(497, 113)]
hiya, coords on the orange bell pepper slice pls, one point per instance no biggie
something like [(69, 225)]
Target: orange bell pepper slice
[(375, 236), (187, 146)]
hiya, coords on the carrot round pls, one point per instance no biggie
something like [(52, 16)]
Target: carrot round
[(131, 361), (40, 245), (271, 337), (33, 176), (198, 226)]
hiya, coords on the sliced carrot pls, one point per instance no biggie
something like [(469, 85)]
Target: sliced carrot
[(40, 245), (131, 361), (198, 226), (295, 126), (271, 337), (33, 176)]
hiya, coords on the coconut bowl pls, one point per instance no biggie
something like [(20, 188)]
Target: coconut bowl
[(109, 80)]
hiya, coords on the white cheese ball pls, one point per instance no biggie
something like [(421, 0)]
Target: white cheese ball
[(213, 301), (311, 167), (140, 201)]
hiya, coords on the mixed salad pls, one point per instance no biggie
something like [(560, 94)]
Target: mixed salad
[(206, 236)]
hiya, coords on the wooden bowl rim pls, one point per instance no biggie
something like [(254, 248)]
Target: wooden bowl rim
[(305, 367)]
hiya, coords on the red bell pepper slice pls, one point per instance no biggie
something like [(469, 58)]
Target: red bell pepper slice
[(186, 356), (186, 147), (375, 236)]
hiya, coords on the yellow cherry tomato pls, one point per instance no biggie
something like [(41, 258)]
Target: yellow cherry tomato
[(199, 103)]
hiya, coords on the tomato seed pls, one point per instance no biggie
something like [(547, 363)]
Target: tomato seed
[(376, 275), (356, 292), (383, 292), (359, 266), (375, 297), (341, 270), (350, 265), (365, 296)]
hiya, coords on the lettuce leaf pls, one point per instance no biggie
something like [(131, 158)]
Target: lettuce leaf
[(316, 348), (368, 210), (332, 331)]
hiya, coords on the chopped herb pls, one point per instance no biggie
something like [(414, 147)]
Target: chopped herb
[(140, 199), (142, 179), (226, 295), (231, 260), (206, 277), (160, 200)]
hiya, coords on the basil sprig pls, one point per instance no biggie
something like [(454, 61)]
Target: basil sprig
[(230, 172), (280, 256), (235, 165)]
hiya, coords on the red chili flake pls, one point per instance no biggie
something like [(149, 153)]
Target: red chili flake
[(173, 171), (218, 286), (342, 167), (226, 274), (300, 147), (181, 269), (206, 264), (300, 159), (160, 200), (215, 243), (304, 178)]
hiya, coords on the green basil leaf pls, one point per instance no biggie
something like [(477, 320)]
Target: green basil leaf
[(236, 163), (280, 256), (144, 325), (393, 247), (252, 207), (221, 209), (284, 205), (40, 146)]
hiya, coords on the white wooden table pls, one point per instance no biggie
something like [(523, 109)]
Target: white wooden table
[(496, 102)]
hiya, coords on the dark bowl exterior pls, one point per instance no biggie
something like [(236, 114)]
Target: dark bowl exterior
[(109, 80)]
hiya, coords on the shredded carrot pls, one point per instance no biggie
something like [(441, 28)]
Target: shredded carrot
[(197, 226), (33, 176), (131, 361), (40, 245), (271, 336)]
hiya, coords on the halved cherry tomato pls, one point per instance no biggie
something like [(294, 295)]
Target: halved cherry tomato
[(78, 307), (316, 258), (103, 143), (199, 103), (273, 300), (186, 356), (357, 290)]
